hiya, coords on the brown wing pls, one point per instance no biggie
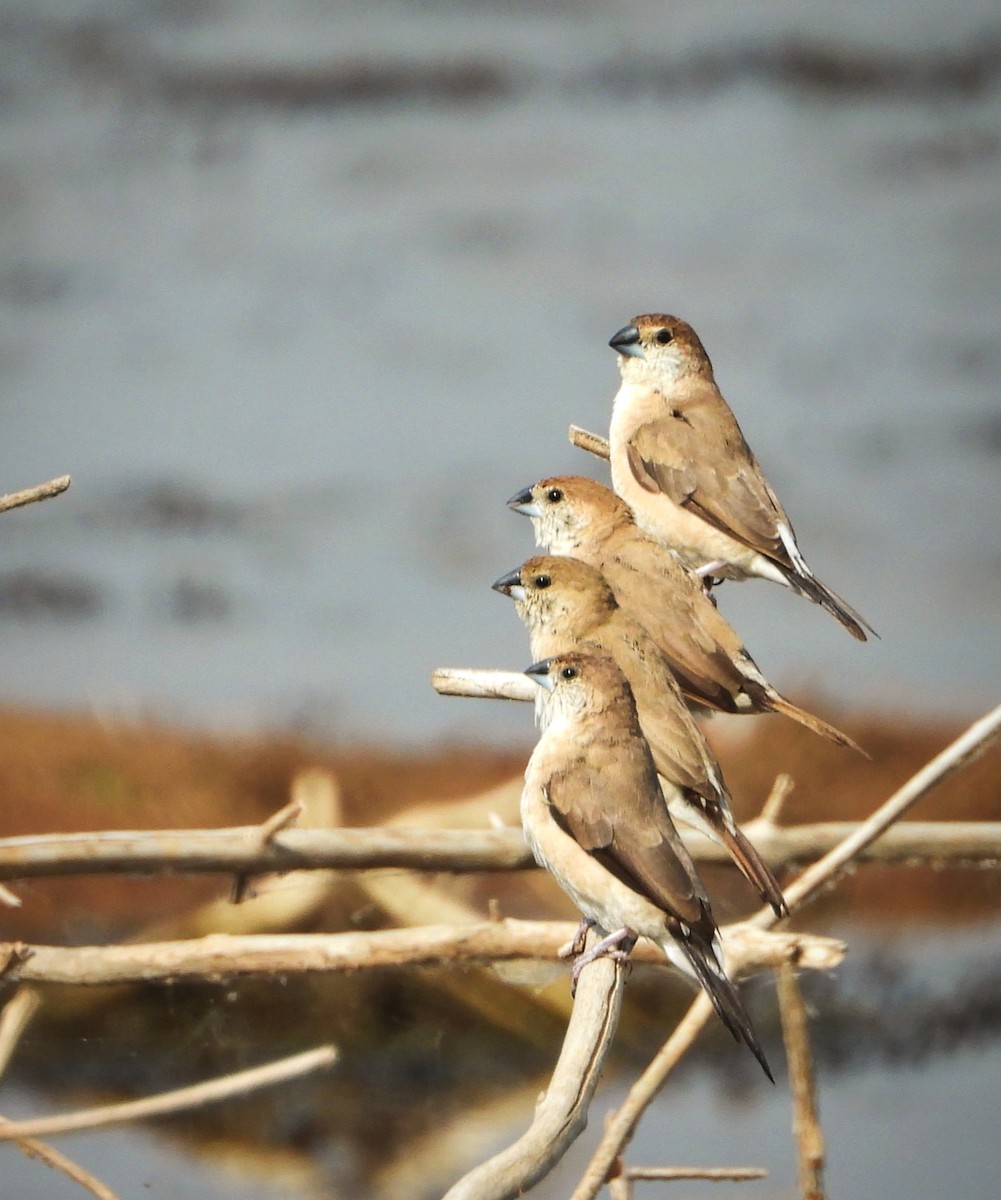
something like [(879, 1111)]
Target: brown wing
[(697, 456), (679, 750), (682, 621), (612, 807)]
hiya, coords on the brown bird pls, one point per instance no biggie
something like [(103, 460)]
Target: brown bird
[(575, 516), (593, 816), (680, 461), (566, 606)]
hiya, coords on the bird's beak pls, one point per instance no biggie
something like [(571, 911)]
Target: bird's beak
[(627, 342), (539, 673), (510, 585), (522, 502)]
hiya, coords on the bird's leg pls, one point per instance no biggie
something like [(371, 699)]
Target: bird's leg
[(616, 945), (575, 947)]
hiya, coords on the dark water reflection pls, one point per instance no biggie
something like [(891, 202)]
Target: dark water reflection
[(906, 1039)]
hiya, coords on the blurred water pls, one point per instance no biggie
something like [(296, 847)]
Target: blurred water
[(300, 296)]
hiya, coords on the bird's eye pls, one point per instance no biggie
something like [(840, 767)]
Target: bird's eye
[(663, 336), (542, 581), (554, 495), (568, 673)]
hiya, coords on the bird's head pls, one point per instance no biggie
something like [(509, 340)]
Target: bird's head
[(569, 512), (659, 349), (558, 596), (581, 684)]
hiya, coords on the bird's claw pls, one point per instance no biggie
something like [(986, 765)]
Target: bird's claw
[(617, 946)]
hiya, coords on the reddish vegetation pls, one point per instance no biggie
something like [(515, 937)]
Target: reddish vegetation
[(63, 773)]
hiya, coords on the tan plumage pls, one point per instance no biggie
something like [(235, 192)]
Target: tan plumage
[(568, 606), (680, 461), (575, 516), (593, 815)]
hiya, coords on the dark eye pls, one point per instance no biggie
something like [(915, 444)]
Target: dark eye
[(663, 336), (568, 673), (554, 495), (542, 581)]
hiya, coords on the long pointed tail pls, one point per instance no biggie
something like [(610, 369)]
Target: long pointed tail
[(810, 586), (781, 705), (753, 867), (725, 999)]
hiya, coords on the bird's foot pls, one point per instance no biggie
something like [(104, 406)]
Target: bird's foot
[(617, 946), (575, 947)]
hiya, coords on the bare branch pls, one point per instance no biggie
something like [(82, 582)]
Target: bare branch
[(241, 850), (178, 1100), (561, 1114), (33, 1148), (619, 1128), (593, 443), (805, 1123), (736, 1174), (967, 747), (219, 957), (482, 683), (774, 804), (42, 491), (14, 1019)]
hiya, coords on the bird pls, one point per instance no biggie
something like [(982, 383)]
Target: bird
[(567, 606), (592, 816), (580, 518), (679, 459)]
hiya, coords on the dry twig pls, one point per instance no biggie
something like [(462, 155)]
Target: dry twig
[(178, 1100), (219, 957), (593, 443), (41, 491), (561, 1114), (805, 1123), (14, 1018), (239, 850), (33, 1148)]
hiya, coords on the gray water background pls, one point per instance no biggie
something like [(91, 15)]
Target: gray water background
[(301, 294)]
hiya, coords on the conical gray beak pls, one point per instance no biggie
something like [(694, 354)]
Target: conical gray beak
[(627, 342), (523, 503), (539, 673)]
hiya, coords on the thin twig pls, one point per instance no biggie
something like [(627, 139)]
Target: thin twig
[(593, 443), (178, 1100), (42, 491), (561, 1114), (805, 1123), (960, 753), (772, 808), (282, 819), (33, 1148), (219, 957), (736, 1174), (620, 1129)]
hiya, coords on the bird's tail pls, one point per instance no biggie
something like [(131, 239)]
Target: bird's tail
[(771, 699), (752, 866), (725, 998), (807, 584)]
